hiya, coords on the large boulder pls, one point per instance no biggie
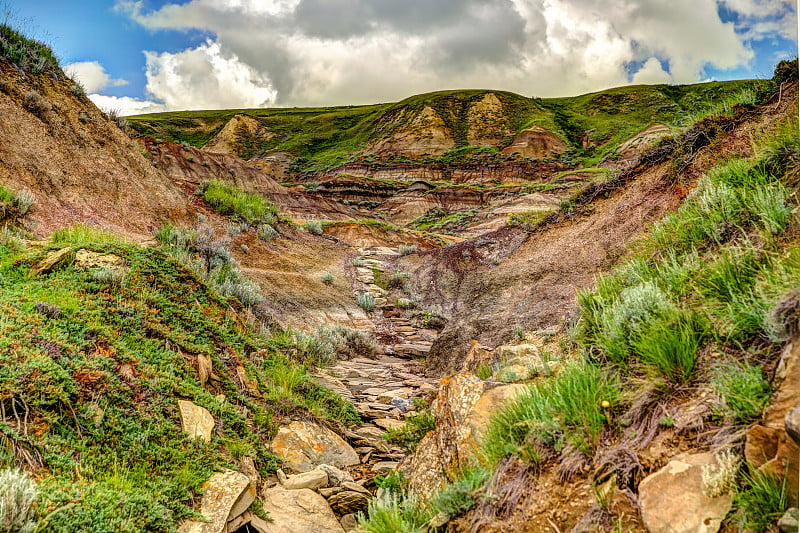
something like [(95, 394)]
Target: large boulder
[(672, 500), (302, 510), (442, 451), (226, 496), (305, 445), (196, 420), (490, 402)]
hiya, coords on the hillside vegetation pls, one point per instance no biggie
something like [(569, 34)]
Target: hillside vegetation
[(325, 137)]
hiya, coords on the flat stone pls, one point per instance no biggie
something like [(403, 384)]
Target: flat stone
[(389, 423), (196, 420), (672, 500), (304, 445), (226, 495), (335, 476), (349, 501), (51, 261), (314, 479), (303, 510), (383, 467), (789, 521), (355, 487)]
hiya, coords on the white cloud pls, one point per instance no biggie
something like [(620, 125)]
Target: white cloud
[(314, 52), (204, 78), (126, 105), (651, 73), (92, 75)]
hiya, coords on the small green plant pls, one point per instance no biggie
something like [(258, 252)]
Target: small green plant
[(484, 372), (358, 262), (190, 159), (83, 117), (366, 301), (266, 232), (666, 421), (78, 89), (84, 235), (328, 278), (391, 482), (37, 104), (518, 334), (395, 513), (397, 279)]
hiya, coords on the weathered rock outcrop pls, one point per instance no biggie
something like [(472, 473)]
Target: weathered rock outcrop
[(196, 420), (672, 500), (302, 510), (227, 495), (304, 445)]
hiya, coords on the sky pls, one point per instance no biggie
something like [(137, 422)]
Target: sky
[(139, 56)]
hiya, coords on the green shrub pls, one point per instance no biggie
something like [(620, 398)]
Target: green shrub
[(358, 262), (407, 249), (391, 482), (266, 232), (460, 496), (229, 201), (742, 389), (328, 278), (18, 495), (29, 54)]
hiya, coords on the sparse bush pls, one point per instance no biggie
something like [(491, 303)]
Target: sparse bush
[(314, 227), (414, 430), (391, 482), (328, 278), (78, 89), (266, 232), (405, 303), (37, 104), (407, 249), (395, 513), (83, 117), (366, 301), (358, 262), (110, 276), (15, 204), (397, 279), (18, 494)]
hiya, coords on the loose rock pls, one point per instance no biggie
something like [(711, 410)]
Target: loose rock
[(304, 445), (303, 510), (196, 420)]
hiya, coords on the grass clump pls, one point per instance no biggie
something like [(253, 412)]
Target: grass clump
[(565, 409), (743, 390), (82, 235), (409, 435), (330, 343), (761, 501), (239, 205), (28, 54), (328, 278), (395, 513), (314, 227), (15, 204)]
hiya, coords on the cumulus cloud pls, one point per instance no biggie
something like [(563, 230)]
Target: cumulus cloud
[(312, 52), (126, 105), (92, 75)]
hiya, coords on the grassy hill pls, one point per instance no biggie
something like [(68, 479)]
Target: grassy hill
[(324, 137)]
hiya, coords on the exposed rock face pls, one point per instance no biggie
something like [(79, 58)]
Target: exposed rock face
[(768, 445), (421, 132), (444, 449), (51, 261), (536, 142), (80, 166), (302, 510), (349, 501), (227, 495), (487, 125), (228, 140), (672, 499), (196, 420), (304, 445), (490, 403)]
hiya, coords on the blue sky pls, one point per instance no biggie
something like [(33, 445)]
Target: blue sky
[(150, 55)]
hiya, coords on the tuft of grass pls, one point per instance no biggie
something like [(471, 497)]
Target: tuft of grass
[(564, 409), (328, 278), (407, 249), (230, 201), (742, 389), (395, 513), (266, 232), (84, 235), (28, 54), (761, 501), (414, 430), (314, 227)]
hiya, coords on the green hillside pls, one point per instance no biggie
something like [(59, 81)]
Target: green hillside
[(324, 137)]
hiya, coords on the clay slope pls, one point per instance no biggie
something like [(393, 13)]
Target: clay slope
[(80, 166), (187, 167), (489, 285)]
